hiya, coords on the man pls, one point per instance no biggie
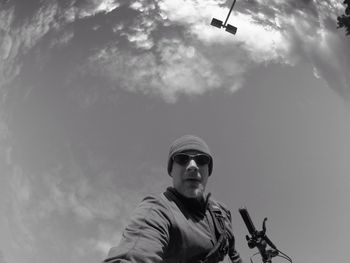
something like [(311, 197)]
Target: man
[(183, 224)]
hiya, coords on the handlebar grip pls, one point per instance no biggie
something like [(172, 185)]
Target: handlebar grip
[(247, 220)]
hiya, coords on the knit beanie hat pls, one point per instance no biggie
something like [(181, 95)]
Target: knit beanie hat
[(188, 142)]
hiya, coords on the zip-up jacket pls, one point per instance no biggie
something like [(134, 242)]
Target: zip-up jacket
[(170, 228)]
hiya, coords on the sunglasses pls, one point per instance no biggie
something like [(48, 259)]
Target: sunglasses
[(184, 158)]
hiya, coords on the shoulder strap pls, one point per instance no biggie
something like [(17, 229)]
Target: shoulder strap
[(219, 216), (220, 249), (226, 243)]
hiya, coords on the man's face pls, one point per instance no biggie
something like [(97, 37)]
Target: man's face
[(190, 179)]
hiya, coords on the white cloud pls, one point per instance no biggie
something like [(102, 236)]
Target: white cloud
[(192, 11), (19, 40), (62, 40), (185, 70), (75, 193), (263, 42), (93, 7), (173, 67), (65, 199), (272, 32), (141, 39), (45, 202), (142, 27), (181, 69), (316, 40), (8, 69), (31, 32), (181, 11), (268, 32), (143, 6), (140, 33), (107, 6), (5, 46)]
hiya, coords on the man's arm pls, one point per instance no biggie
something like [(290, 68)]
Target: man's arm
[(146, 237)]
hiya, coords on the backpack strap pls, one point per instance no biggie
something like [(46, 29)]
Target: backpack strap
[(220, 249), (219, 217), (226, 242)]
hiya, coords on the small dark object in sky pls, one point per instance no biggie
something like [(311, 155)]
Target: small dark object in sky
[(218, 23), (231, 29)]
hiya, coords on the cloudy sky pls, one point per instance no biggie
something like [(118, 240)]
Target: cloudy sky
[(92, 92)]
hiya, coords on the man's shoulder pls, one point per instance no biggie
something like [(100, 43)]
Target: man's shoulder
[(152, 208), (156, 202), (153, 200)]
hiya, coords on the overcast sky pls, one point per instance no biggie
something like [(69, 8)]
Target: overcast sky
[(92, 93)]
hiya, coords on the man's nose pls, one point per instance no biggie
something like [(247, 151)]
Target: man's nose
[(192, 165)]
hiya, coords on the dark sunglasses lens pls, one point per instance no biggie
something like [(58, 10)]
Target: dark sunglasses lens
[(181, 159), (202, 159)]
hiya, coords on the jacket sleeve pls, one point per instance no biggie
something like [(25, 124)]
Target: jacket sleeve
[(146, 237)]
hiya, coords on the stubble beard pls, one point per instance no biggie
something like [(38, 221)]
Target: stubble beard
[(197, 192)]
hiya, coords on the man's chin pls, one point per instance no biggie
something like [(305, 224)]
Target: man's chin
[(194, 193)]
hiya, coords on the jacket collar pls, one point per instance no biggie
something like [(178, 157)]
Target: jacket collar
[(192, 204)]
